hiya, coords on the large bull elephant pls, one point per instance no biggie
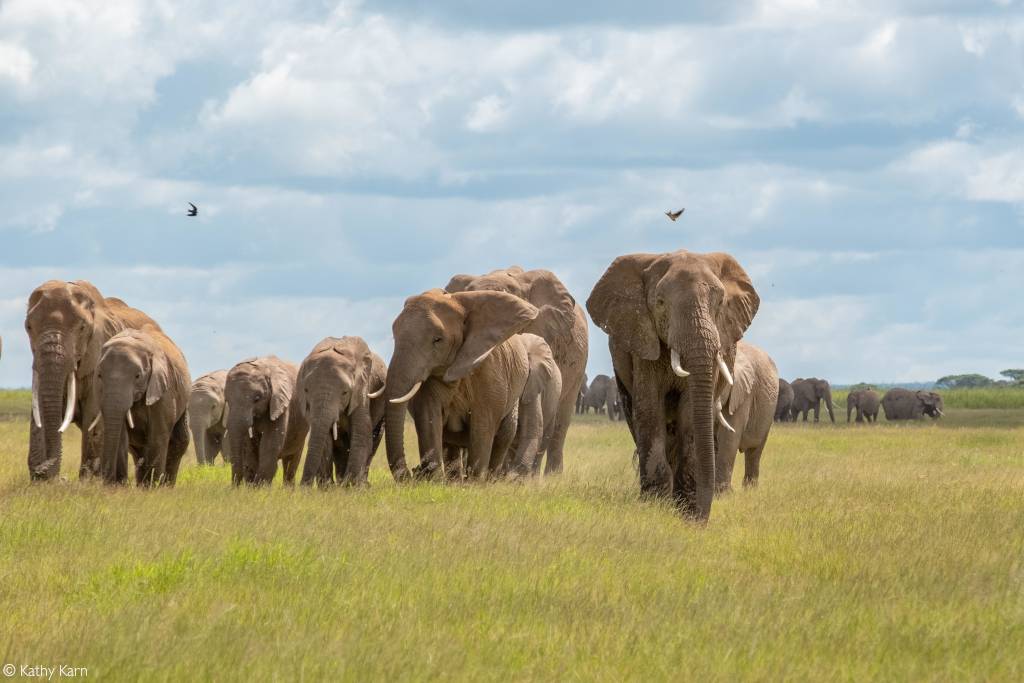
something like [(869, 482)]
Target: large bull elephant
[(340, 393), (598, 394), (67, 325), (749, 412), (808, 395), (263, 423), (206, 417), (784, 406), (560, 322), (865, 402), (673, 322), (461, 371), (904, 404), (144, 388)]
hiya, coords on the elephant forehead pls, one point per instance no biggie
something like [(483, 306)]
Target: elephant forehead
[(433, 311)]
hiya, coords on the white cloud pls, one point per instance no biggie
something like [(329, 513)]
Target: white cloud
[(984, 172), (488, 114)]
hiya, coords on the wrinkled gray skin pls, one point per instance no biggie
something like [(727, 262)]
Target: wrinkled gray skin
[(562, 324), (865, 402), (749, 408), (261, 397), (206, 417), (345, 424), (581, 395), (783, 409), (808, 394), (144, 372), (656, 307), (67, 324), (461, 368), (597, 394), (904, 404), (538, 407)]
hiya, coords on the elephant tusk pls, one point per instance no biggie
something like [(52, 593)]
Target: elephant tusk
[(725, 370), (250, 432), (334, 430), (412, 392), (131, 423), (941, 414), (721, 418), (676, 367), (376, 394), (35, 402), (95, 421), (69, 412)]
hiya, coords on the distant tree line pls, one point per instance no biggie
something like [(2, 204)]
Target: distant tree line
[(1014, 377)]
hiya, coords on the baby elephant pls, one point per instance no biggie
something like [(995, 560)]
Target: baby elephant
[(865, 402), (340, 394), (263, 423), (206, 417), (144, 389), (538, 406)]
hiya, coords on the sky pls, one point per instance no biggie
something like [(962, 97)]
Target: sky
[(863, 160)]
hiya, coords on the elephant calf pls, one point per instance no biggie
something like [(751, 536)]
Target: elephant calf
[(904, 404), (206, 417), (747, 416), (264, 425), (865, 402), (144, 388), (538, 407), (340, 393)]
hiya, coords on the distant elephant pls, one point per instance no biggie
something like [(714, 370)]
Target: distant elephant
[(865, 402), (612, 404), (597, 394), (749, 410), (263, 423), (538, 407), (461, 370), (581, 395), (341, 395), (144, 386), (673, 321), (783, 409), (67, 325), (808, 395), (904, 404), (206, 417), (560, 321)]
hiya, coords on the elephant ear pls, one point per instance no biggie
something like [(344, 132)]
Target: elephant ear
[(459, 283), (491, 318), (743, 383), (557, 306), (364, 370), (542, 367), (282, 384), (740, 302), (618, 305), (159, 377)]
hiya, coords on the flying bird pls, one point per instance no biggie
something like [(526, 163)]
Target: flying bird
[(195, 211), (673, 215)]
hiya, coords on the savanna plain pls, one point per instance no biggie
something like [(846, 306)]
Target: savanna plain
[(884, 552)]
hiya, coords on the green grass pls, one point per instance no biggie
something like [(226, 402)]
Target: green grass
[(886, 552)]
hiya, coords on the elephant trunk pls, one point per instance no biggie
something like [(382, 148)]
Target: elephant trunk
[(114, 457), (322, 429), (54, 369), (199, 439), (397, 387), (828, 405), (239, 431), (701, 355)]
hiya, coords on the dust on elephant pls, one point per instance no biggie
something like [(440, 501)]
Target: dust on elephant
[(673, 321), (341, 395), (597, 394), (143, 384), (581, 396), (784, 406), (865, 402), (808, 394), (749, 409), (562, 324), (263, 423), (904, 404), (67, 325), (538, 407), (206, 417), (461, 370)]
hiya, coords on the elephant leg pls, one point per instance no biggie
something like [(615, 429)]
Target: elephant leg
[(502, 441), (651, 438), (453, 466), (556, 445), (752, 465), (154, 455), (269, 454), (176, 450), (481, 442), (211, 445), (725, 459), (359, 442), (429, 420), (343, 461), (39, 469), (530, 432), (817, 410)]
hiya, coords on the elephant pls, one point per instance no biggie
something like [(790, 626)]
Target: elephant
[(263, 423), (538, 407), (597, 394), (340, 392), (673, 321), (560, 321), (783, 409), (581, 396), (808, 395), (143, 385), (461, 367), (612, 402), (865, 401), (749, 413), (904, 404), (206, 417), (67, 324)]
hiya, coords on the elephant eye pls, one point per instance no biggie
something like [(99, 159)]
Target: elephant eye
[(437, 340), (256, 398)]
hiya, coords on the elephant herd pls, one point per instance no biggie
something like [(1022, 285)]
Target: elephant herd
[(803, 396), (490, 368)]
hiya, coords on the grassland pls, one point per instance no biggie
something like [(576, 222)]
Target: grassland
[(887, 552)]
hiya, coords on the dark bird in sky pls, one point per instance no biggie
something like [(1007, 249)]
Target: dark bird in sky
[(193, 211), (673, 215)]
